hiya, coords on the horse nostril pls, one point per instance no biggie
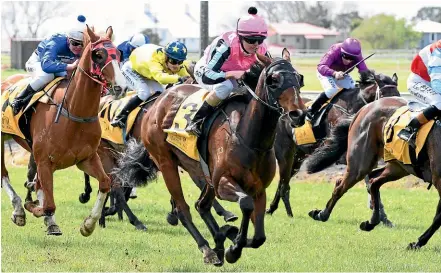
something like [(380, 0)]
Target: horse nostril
[(117, 88)]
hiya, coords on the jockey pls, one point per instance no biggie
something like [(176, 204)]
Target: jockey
[(54, 57), (424, 83), (148, 69), (128, 46), (225, 60), (330, 71)]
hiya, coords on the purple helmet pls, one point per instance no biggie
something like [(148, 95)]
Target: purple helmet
[(351, 46)]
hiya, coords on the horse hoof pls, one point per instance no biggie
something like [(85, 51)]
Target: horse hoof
[(87, 231), (141, 227), (54, 230), (19, 220), (290, 215), (220, 252), (172, 219), (366, 226), (210, 257), (269, 211), (30, 205), (84, 198), (230, 217), (232, 256), (229, 231), (314, 214), (413, 246)]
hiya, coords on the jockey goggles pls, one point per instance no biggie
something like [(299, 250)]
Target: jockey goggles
[(253, 40), (174, 62), (347, 56), (75, 43)]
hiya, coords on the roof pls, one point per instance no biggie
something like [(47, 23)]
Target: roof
[(299, 29), (427, 26)]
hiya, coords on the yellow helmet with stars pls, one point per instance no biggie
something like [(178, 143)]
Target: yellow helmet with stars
[(176, 50)]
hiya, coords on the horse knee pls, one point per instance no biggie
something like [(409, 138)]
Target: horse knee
[(104, 185), (246, 204)]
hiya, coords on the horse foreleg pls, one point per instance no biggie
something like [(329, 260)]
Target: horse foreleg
[(229, 190), (93, 167), (31, 177), (85, 196), (18, 215), (258, 220), (391, 172)]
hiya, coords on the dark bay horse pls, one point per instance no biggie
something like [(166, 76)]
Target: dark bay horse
[(290, 156), (74, 139), (109, 153), (241, 158), (365, 145)]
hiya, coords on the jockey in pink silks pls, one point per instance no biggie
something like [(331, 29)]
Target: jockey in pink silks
[(225, 60)]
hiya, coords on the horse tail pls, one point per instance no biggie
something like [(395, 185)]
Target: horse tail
[(335, 146), (134, 166)]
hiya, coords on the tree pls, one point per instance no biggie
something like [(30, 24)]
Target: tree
[(386, 32), (428, 13), (31, 14), (154, 37), (346, 22)]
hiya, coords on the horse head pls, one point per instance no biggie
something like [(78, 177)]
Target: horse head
[(376, 86), (101, 60), (282, 84)]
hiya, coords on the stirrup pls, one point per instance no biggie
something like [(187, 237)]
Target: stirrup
[(17, 106), (408, 136), (194, 128), (119, 123)]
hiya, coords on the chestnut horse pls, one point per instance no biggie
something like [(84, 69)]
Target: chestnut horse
[(365, 145), (74, 139), (241, 159), (290, 156)]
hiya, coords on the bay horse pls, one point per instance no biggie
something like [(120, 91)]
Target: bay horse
[(241, 158), (74, 139), (346, 103), (365, 145)]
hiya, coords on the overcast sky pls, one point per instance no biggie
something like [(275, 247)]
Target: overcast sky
[(127, 17)]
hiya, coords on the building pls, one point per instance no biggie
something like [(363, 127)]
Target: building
[(431, 32), (301, 36)]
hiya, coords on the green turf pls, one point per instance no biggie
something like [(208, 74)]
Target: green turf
[(298, 244)]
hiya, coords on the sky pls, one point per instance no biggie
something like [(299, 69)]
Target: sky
[(127, 17)]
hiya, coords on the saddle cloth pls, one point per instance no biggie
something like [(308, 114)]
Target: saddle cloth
[(109, 111), (395, 147), (304, 135), (176, 134), (10, 123)]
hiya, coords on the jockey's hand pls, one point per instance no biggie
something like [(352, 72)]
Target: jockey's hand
[(234, 74), (189, 80), (339, 75), (183, 79), (71, 68)]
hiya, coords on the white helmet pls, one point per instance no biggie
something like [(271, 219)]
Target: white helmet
[(77, 31), (138, 40)]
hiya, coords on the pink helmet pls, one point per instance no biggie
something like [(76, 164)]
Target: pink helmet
[(252, 25), (351, 46)]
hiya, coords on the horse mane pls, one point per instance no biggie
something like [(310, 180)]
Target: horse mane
[(367, 77)]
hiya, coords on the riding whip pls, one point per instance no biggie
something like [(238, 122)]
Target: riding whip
[(60, 106), (352, 68)]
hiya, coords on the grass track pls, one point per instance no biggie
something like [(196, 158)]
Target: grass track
[(298, 244)]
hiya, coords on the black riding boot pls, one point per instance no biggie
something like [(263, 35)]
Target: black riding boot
[(194, 125), (316, 105), (22, 99), (409, 132), (121, 119)]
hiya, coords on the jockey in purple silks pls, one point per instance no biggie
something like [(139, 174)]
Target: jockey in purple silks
[(330, 71)]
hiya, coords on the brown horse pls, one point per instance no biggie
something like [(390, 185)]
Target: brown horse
[(74, 139), (365, 145), (290, 156), (241, 159)]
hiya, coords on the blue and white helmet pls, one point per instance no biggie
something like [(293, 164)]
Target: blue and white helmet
[(138, 40), (77, 30)]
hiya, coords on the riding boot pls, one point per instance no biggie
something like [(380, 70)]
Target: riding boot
[(22, 99), (207, 108), (121, 119), (410, 131), (316, 105)]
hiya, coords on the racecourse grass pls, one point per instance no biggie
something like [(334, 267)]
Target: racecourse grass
[(298, 244)]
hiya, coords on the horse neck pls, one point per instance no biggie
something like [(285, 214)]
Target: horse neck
[(258, 125), (83, 94)]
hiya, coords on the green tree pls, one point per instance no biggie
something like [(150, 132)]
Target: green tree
[(386, 32), (429, 13)]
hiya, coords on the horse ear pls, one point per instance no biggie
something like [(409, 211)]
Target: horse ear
[(264, 59), (92, 35), (395, 77), (286, 54), (109, 32)]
